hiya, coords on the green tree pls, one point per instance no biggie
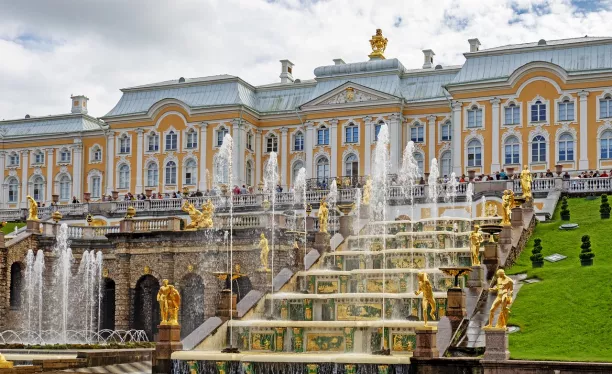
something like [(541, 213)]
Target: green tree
[(604, 208), (586, 253), (565, 212), (536, 252)]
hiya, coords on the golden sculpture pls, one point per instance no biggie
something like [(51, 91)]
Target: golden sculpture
[(32, 208), (490, 209), (475, 241), (379, 44), (526, 182), (130, 212), (169, 302), (4, 364), (367, 192), (199, 220), (504, 288), (263, 256), (428, 298), (507, 204), (323, 216), (208, 209)]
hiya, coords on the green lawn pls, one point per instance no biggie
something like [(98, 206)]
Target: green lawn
[(568, 315), (10, 227)]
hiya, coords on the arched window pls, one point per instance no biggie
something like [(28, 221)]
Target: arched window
[(566, 110), (96, 186), (351, 133), (605, 107), (351, 165), (124, 144), (65, 185), (538, 111), (271, 143), (605, 145), (322, 169), (190, 172), (298, 141), (474, 117), (296, 169), (152, 175), (417, 133), (13, 190), (220, 135), (511, 151), (221, 171), (446, 131), (171, 141), (566, 148), (474, 153), (418, 157), (192, 139), (65, 155), (124, 176), (249, 173), (377, 128), (39, 157), (171, 172), (16, 282), (538, 149), (153, 142), (38, 186), (323, 136), (512, 114), (446, 163), (96, 154)]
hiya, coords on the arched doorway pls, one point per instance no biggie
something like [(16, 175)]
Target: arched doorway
[(192, 303), (146, 307), (16, 285), (108, 305), (241, 286)]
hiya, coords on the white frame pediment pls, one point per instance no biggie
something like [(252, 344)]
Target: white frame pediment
[(350, 94)]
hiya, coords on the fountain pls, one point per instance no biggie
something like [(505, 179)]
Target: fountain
[(271, 177), (299, 196), (469, 193)]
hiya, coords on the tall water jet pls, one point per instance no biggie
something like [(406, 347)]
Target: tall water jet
[(483, 210), (271, 177), (450, 194), (62, 273), (357, 202), (469, 193), (432, 185), (408, 177), (332, 198), (35, 265), (299, 196)]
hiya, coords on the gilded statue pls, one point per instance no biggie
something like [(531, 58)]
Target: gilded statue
[(208, 209), (263, 256), (428, 298), (199, 220), (367, 192), (379, 44), (323, 216), (526, 182), (32, 208), (475, 241), (169, 302), (504, 288), (507, 204)]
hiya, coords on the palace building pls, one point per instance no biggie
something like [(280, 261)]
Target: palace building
[(539, 104)]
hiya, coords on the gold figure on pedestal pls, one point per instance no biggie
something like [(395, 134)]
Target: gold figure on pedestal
[(4, 364), (526, 182), (169, 302), (428, 298), (367, 191), (323, 216), (475, 242), (32, 208), (507, 204), (379, 44), (263, 256), (199, 220), (208, 209), (504, 288)]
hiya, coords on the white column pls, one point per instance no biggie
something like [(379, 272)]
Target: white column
[(457, 148), (367, 148), (49, 159), (333, 142), (236, 155), (2, 167), (584, 159), (395, 140), (284, 155), (77, 169), (139, 155), (202, 183), (110, 163), (495, 149), (308, 148), (24, 175), (258, 165), (431, 138)]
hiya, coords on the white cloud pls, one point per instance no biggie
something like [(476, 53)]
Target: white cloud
[(51, 49)]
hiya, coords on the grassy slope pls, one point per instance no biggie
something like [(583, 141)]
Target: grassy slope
[(567, 316), (10, 227)]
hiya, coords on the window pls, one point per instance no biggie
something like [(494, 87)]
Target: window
[(65, 155), (38, 188), (39, 157), (538, 111), (512, 114), (377, 130), (153, 140), (605, 143), (418, 157), (322, 169), (192, 139), (474, 153), (65, 185), (538, 149), (351, 166), (221, 171), (152, 175), (566, 148), (446, 164), (96, 187), (124, 144), (446, 131), (249, 173), (190, 172), (511, 151), (474, 117), (171, 172), (566, 110), (605, 107), (171, 141), (124, 176), (296, 169), (13, 191), (249, 141), (417, 133), (220, 135), (97, 154), (14, 159), (351, 133), (323, 136), (271, 143), (298, 141)]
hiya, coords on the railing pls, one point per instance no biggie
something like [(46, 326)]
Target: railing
[(152, 224), (587, 185)]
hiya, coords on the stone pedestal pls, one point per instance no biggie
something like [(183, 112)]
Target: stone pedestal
[(455, 306), (426, 342), (517, 217), (496, 341), (1, 239), (226, 300), (476, 276), (310, 224), (491, 258), (346, 226), (33, 226), (321, 243), (505, 236), (168, 341), (126, 225)]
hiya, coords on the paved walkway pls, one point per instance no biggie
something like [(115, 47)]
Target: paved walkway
[(132, 368)]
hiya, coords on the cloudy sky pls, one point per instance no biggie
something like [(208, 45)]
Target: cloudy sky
[(52, 49)]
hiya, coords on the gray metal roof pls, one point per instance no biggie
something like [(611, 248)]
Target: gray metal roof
[(548, 43), (425, 87), (365, 67), (60, 124)]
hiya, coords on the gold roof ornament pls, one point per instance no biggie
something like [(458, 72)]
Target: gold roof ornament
[(379, 44), (56, 216), (130, 212)]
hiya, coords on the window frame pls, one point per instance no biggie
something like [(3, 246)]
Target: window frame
[(220, 135), (171, 141), (515, 150), (540, 103), (470, 148), (515, 109), (170, 173), (37, 154), (419, 129), (298, 135), (14, 159), (120, 174), (565, 101), (351, 129), (565, 142), (324, 130), (16, 185), (65, 156), (155, 137), (449, 125), (191, 143), (125, 150), (476, 110), (542, 157), (271, 143), (148, 171), (607, 97), (193, 178)]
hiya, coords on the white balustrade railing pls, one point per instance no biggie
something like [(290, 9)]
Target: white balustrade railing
[(587, 185), (75, 232)]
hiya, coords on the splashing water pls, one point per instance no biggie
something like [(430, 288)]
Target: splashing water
[(483, 209), (299, 196), (35, 266), (451, 190), (271, 177), (469, 193)]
